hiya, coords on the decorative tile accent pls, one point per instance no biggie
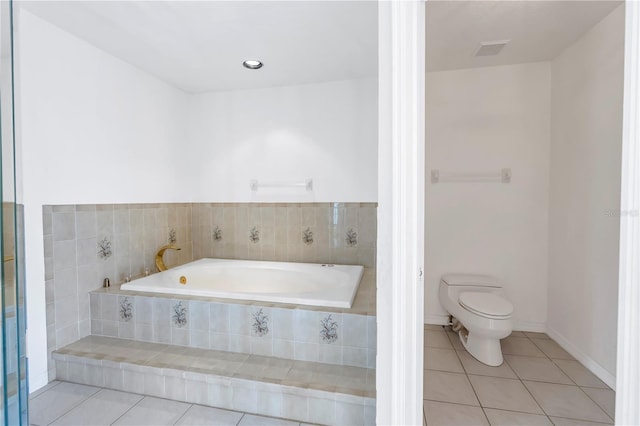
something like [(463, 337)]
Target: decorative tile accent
[(331, 337), (104, 248), (179, 315), (352, 238), (307, 236), (126, 309), (217, 234), (329, 330), (260, 323), (130, 231), (254, 235), (172, 236)]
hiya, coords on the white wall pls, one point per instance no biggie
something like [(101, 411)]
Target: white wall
[(327, 132), (483, 120), (97, 130), (93, 129), (587, 91)]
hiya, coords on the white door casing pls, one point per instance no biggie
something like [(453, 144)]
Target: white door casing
[(400, 297), (628, 356)]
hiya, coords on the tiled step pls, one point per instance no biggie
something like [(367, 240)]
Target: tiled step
[(299, 390)]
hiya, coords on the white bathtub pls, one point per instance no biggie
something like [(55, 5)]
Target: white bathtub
[(280, 282)]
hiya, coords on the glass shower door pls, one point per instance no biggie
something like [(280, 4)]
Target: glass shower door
[(13, 386)]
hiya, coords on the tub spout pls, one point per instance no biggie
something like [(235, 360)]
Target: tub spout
[(159, 256)]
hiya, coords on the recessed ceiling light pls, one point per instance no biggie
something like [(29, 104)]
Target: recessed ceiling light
[(252, 64)]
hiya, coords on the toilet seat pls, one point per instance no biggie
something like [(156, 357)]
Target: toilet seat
[(486, 304)]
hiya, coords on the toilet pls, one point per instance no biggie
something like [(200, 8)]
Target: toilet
[(481, 314)]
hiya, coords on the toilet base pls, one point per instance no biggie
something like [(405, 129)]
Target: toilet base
[(484, 349)]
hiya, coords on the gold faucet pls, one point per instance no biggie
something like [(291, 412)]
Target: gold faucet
[(159, 260)]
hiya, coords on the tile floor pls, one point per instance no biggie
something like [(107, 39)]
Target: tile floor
[(62, 403), (538, 384)]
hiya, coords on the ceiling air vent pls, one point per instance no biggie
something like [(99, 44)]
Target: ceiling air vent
[(490, 48)]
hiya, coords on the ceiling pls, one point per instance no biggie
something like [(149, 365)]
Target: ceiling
[(537, 30), (199, 46)]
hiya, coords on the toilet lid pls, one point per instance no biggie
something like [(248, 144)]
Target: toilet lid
[(486, 304)]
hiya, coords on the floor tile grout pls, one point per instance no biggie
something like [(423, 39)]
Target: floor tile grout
[(76, 405), (518, 378), (130, 408), (596, 402), (143, 397)]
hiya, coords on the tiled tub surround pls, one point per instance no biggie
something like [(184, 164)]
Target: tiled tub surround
[(341, 233), (299, 390), (327, 335), (83, 244)]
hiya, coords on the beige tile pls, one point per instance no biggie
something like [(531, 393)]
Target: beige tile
[(44, 389), (442, 359), (512, 418), (559, 421), (506, 394), (448, 387), (605, 398), (103, 408), (538, 369), (251, 420), (473, 366), (154, 411), (436, 339), (444, 414), (533, 335), (199, 415), (520, 346), (455, 341), (551, 349), (433, 327), (566, 401), (55, 402), (579, 374)]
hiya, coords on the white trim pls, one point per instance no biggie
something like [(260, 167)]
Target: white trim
[(436, 319), (400, 297), (584, 359), (628, 356), (536, 327)]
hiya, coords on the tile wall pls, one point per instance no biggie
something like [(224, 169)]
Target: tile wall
[(341, 233), (298, 334), (83, 244)]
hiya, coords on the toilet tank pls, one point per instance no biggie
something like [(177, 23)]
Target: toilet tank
[(454, 284), (473, 280)]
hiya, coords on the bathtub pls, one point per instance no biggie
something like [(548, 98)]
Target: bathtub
[(280, 282)]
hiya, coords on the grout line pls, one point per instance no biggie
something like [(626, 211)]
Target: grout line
[(240, 419), (517, 412), (449, 402), (183, 414), (76, 405), (569, 418), (518, 378), (596, 402), (130, 408), (41, 391)]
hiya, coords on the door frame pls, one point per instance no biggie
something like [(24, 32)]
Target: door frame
[(401, 180)]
